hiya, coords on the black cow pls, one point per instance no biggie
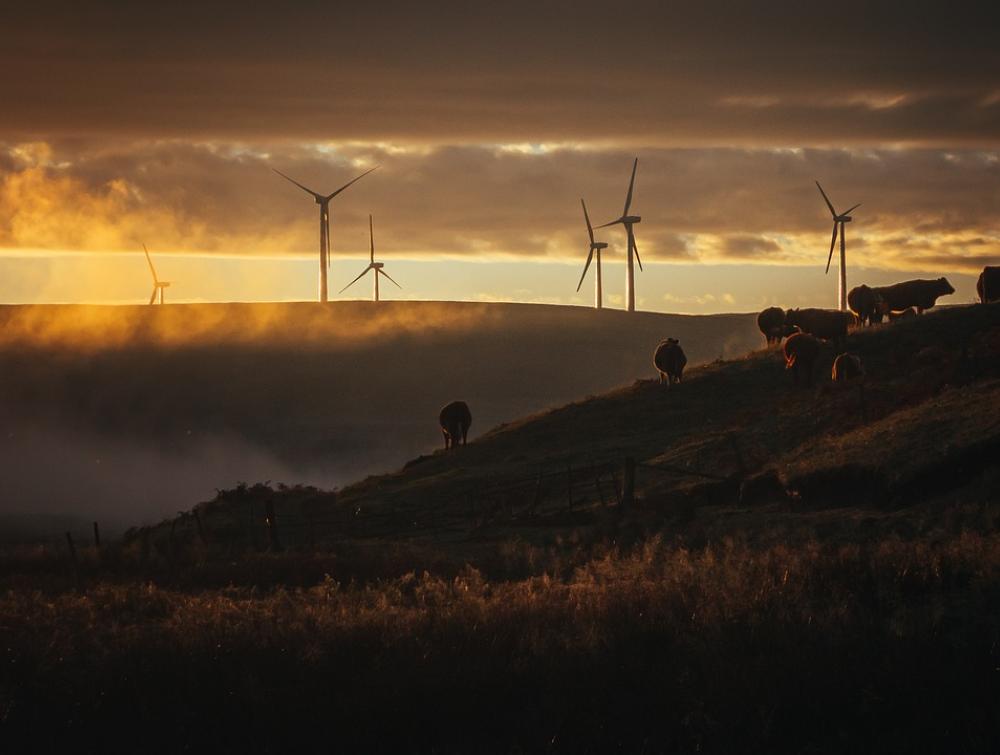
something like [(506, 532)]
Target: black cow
[(455, 420)]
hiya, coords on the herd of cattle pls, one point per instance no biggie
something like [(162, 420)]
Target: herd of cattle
[(804, 332)]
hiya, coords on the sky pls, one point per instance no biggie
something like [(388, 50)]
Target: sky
[(127, 123)]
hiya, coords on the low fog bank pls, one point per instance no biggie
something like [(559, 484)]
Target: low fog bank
[(133, 413)]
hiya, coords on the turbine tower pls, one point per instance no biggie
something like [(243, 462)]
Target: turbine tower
[(838, 222), (595, 246), (372, 265), (629, 221), (323, 200), (158, 285)]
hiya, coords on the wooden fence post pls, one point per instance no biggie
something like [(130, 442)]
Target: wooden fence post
[(272, 527), (597, 483), (97, 537), (628, 486), (569, 485), (75, 564)]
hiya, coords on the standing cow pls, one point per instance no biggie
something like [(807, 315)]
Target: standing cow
[(455, 420), (801, 351), (919, 294), (771, 323), (988, 285), (669, 360), (828, 324), (847, 367), (866, 304)]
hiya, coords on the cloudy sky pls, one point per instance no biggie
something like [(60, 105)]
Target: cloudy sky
[(125, 124)]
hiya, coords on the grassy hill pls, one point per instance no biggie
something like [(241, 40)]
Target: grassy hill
[(730, 449)]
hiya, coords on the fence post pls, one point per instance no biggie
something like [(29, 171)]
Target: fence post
[(628, 486), (73, 560), (597, 483), (97, 537), (569, 485), (272, 527)]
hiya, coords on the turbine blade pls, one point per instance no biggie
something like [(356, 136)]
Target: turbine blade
[(152, 298), (371, 237), (328, 197), (586, 217), (827, 200), (833, 241), (635, 248), (380, 270), (150, 261), (613, 222), (308, 191), (848, 212), (631, 183), (585, 268), (355, 280)]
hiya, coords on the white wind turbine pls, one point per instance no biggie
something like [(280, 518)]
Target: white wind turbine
[(595, 246), (629, 221), (838, 222), (323, 200), (158, 285), (377, 267)]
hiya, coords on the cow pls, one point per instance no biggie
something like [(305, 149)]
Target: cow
[(669, 360), (772, 323), (919, 294), (455, 420), (904, 315), (988, 285), (847, 367), (801, 351), (866, 304), (828, 324)]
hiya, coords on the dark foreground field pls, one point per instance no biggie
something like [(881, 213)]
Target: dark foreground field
[(809, 570)]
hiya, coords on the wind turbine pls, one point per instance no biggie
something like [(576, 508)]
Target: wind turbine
[(373, 265), (158, 285), (595, 246), (323, 200), (629, 221), (838, 222)]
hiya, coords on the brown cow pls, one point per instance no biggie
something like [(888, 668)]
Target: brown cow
[(801, 351), (988, 285), (847, 367), (866, 304), (771, 322), (669, 360), (455, 420), (920, 294), (828, 324)]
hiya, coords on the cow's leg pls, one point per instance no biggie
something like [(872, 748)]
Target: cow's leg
[(445, 434)]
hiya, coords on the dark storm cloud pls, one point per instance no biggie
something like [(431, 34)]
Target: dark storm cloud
[(646, 73)]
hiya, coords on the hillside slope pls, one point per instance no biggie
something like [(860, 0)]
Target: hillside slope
[(925, 421)]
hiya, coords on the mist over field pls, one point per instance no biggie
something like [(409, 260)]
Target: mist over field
[(128, 414)]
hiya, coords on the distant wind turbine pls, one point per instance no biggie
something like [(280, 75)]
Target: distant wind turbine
[(595, 246), (838, 222), (372, 265), (158, 285), (323, 200), (629, 221)]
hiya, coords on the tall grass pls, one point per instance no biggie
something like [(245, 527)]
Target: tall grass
[(887, 646)]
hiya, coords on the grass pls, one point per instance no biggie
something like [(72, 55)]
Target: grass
[(889, 646)]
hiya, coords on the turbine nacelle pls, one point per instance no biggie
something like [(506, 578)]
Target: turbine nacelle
[(598, 245)]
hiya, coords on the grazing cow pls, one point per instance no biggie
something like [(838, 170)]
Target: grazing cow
[(988, 285), (866, 304), (920, 294), (847, 367), (771, 323), (828, 324), (669, 360), (904, 315), (801, 351), (455, 420)]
